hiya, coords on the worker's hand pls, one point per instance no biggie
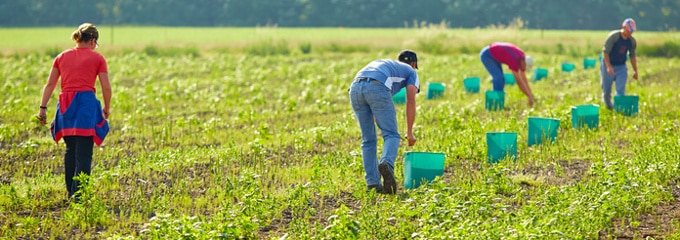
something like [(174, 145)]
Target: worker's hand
[(411, 140), (42, 117)]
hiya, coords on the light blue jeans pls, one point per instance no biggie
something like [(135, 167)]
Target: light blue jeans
[(620, 77), (372, 99), (494, 68)]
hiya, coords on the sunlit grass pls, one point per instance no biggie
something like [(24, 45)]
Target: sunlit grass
[(230, 144), (226, 40)]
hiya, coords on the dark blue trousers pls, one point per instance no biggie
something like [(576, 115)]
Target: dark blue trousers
[(77, 160)]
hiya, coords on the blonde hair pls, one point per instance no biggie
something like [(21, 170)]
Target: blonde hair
[(85, 32)]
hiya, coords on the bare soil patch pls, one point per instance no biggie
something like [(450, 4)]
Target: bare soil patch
[(569, 172), (654, 225)]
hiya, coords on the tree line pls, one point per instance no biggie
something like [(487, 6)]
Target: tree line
[(650, 15)]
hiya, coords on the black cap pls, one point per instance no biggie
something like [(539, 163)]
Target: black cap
[(408, 56)]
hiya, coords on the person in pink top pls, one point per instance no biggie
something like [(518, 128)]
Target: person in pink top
[(498, 53), (79, 118)]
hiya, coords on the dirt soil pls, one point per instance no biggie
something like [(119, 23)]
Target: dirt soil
[(657, 224), (654, 225)]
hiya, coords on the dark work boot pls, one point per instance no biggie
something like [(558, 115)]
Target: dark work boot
[(377, 188), (389, 183)]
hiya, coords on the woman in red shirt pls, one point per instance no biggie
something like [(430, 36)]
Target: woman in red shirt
[(498, 53), (79, 117)]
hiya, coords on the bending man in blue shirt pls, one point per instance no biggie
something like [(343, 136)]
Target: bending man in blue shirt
[(371, 98)]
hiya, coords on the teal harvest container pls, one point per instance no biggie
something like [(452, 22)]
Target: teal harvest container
[(494, 100), (568, 67), (422, 167), (400, 97), (501, 145), (626, 105), (540, 73), (585, 116), (589, 63), (435, 90), (542, 129), (509, 78), (471, 84)]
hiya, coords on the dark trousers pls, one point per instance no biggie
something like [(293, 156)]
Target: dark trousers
[(77, 160)]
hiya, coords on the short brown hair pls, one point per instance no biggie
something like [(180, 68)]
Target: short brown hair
[(85, 32)]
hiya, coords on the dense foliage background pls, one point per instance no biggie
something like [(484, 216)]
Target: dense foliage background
[(651, 15)]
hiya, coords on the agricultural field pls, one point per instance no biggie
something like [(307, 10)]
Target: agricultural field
[(248, 133)]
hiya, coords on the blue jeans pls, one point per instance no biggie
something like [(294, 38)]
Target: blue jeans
[(372, 99), (494, 68), (620, 77)]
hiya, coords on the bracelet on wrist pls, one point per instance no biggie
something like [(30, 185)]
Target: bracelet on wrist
[(43, 107)]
